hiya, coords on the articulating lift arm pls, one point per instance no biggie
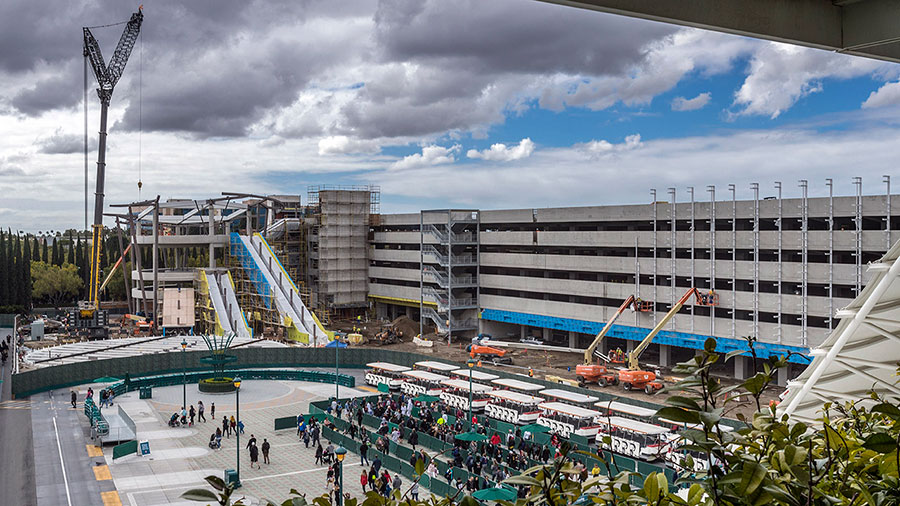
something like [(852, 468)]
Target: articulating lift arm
[(589, 352), (107, 77), (636, 353)]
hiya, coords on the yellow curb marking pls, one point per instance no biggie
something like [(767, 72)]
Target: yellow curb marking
[(111, 498), (101, 473), (94, 451)]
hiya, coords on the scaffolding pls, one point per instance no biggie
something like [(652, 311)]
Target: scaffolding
[(337, 222)]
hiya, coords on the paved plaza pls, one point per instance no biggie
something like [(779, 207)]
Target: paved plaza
[(180, 458)]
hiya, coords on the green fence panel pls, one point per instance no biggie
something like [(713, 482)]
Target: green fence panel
[(288, 422), (402, 452), (623, 463), (125, 449)]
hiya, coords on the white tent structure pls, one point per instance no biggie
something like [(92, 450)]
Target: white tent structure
[(860, 355)]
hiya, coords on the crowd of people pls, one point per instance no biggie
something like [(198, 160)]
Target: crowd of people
[(493, 459)]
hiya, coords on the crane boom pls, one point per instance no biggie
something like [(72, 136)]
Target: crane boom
[(589, 352), (107, 76), (639, 349)]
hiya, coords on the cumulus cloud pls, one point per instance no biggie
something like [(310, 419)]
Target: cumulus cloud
[(341, 144), (430, 155), (502, 153), (781, 74), (61, 143), (691, 104), (603, 147), (888, 94)]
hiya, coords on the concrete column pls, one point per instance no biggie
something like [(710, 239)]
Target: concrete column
[(664, 353), (573, 340), (408, 312), (521, 331), (782, 377), (212, 232), (629, 346), (546, 334), (740, 367)]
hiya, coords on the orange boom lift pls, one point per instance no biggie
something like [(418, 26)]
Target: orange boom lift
[(634, 377), (589, 372)]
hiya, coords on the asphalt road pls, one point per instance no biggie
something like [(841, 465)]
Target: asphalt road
[(17, 481)]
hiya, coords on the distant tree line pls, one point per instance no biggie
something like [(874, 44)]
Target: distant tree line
[(52, 269)]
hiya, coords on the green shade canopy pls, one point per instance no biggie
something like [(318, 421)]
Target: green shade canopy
[(384, 387), (426, 398), (106, 379), (471, 436), (495, 494), (535, 428)]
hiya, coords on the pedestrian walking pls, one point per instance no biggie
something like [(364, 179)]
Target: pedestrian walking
[(319, 453), (192, 413), (397, 482), (233, 424), (306, 438), (265, 449), (200, 416), (363, 479), (74, 398), (252, 441), (240, 426), (414, 489), (254, 456), (225, 428), (363, 452)]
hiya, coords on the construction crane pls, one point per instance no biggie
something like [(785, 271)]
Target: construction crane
[(88, 319), (635, 378), (589, 372)]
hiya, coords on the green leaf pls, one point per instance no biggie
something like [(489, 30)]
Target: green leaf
[(200, 495), (709, 345), (683, 402), (751, 478), (468, 501), (522, 480), (888, 409), (678, 415), (880, 442), (755, 384), (420, 466), (651, 488), (216, 482), (732, 354)]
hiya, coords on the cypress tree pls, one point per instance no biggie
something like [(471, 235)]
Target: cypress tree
[(17, 275), (45, 256), (71, 256), (79, 257), (4, 272), (26, 275), (56, 260), (35, 249), (11, 278)]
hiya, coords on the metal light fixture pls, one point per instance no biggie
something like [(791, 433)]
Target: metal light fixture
[(340, 453), (237, 410), (237, 382)]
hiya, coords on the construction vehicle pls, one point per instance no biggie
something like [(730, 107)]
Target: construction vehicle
[(479, 351), (634, 377), (563, 381), (590, 372), (88, 320), (387, 335)]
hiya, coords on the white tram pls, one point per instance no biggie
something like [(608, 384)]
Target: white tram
[(456, 394), (633, 438), (422, 383), (565, 396), (385, 372), (435, 367), (566, 419), (477, 376), (676, 456), (518, 385), (624, 410), (513, 407)]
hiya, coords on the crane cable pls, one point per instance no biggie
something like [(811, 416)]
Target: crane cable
[(140, 108)]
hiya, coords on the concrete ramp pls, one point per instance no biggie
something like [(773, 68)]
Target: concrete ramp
[(218, 303)]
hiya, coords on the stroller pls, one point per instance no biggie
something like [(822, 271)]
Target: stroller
[(215, 442), (173, 420)]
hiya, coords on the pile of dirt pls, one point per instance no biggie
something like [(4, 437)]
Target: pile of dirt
[(406, 327)]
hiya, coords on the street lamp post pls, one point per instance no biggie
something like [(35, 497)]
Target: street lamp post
[(337, 343), (340, 453), (183, 374), (471, 364), (237, 410)]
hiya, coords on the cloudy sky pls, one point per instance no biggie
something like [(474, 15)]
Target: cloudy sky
[(507, 103)]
